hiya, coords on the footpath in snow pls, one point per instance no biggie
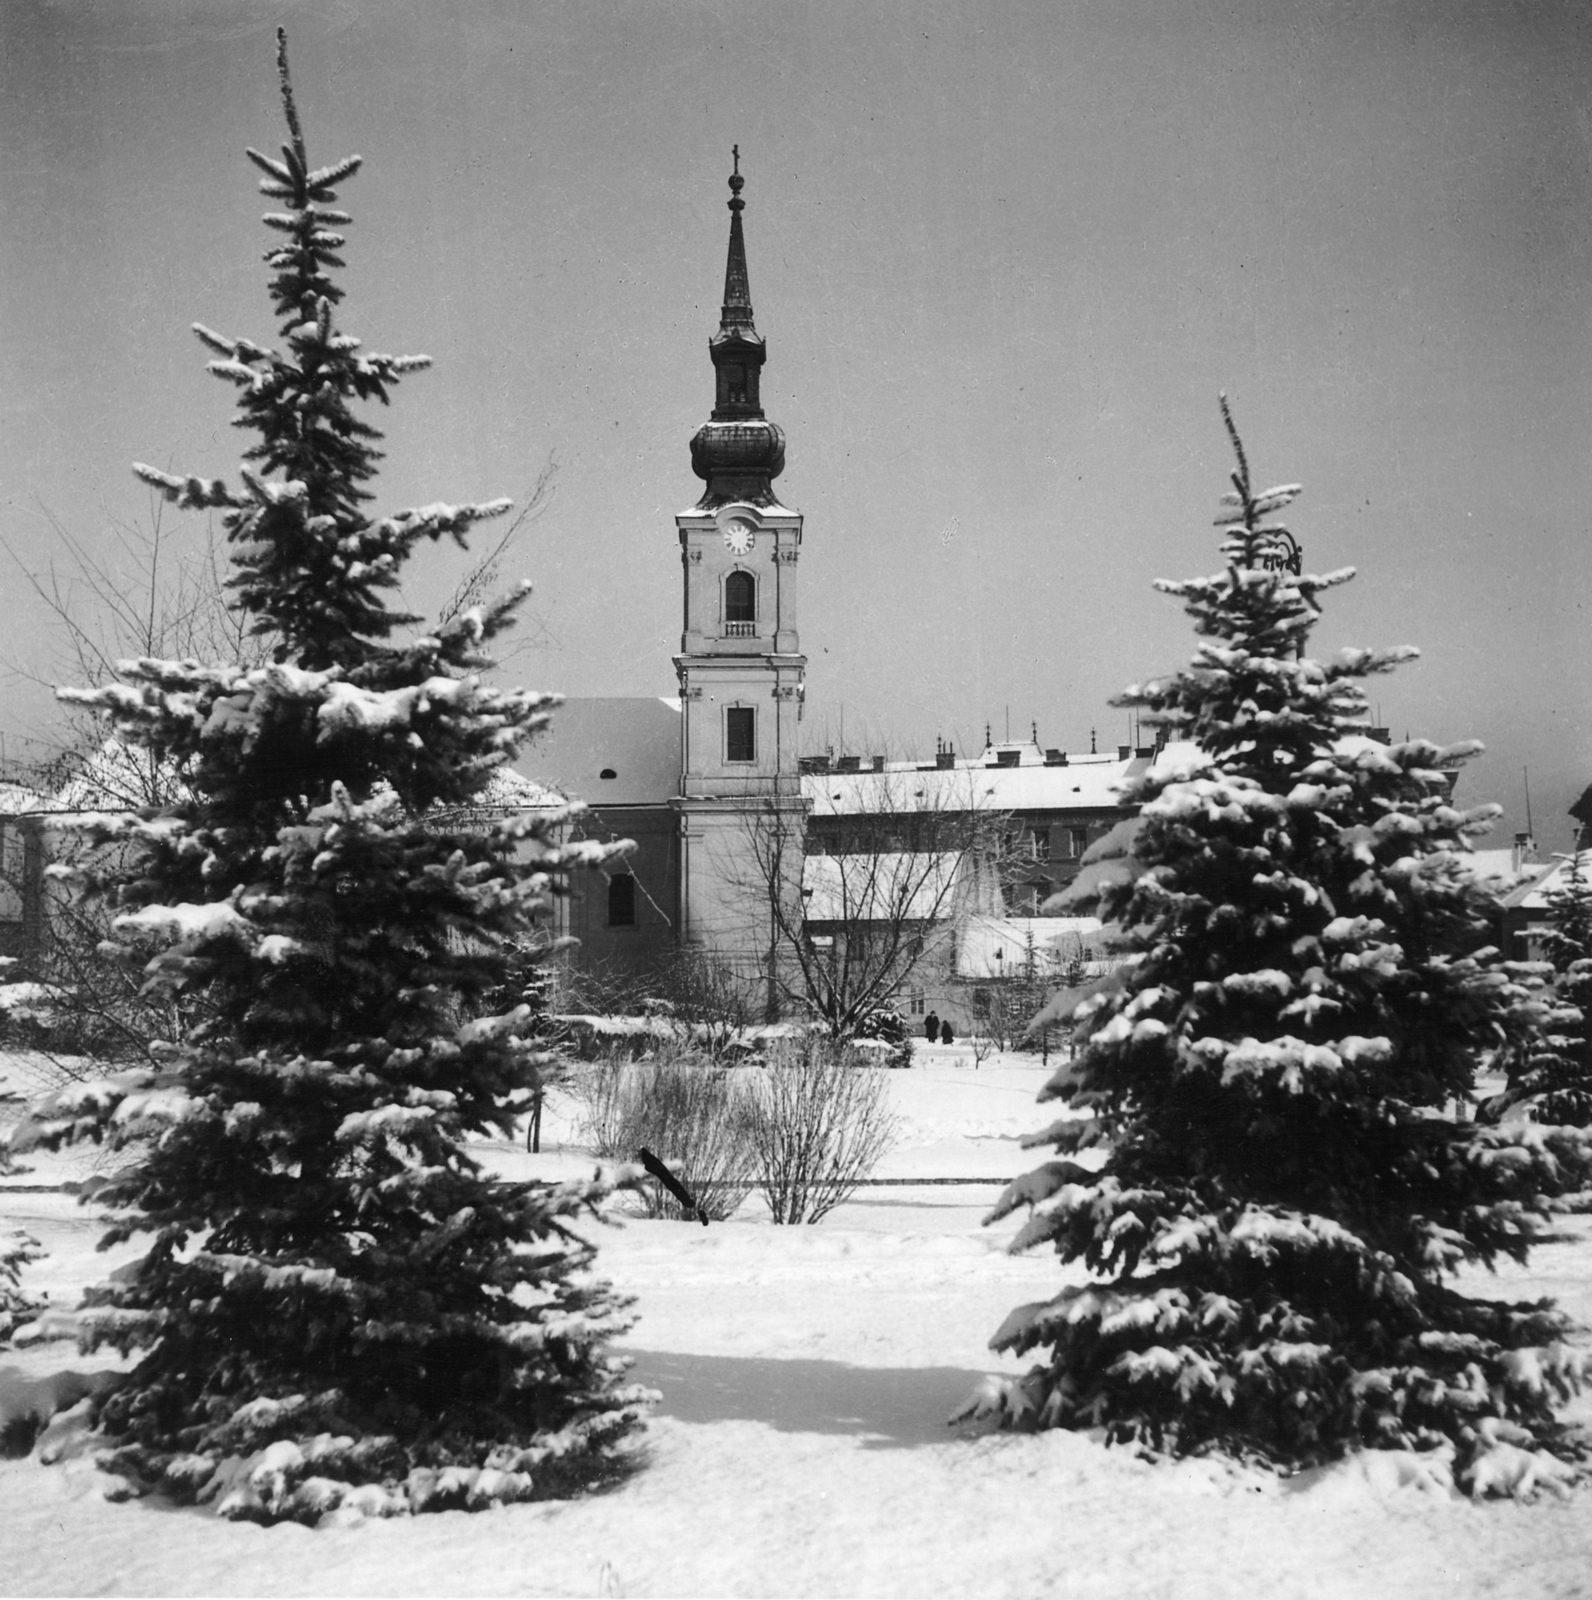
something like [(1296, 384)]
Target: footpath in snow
[(800, 1447)]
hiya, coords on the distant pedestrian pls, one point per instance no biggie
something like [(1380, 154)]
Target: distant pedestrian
[(946, 1036), (931, 1027)]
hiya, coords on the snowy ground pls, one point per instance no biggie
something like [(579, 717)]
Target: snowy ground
[(801, 1447)]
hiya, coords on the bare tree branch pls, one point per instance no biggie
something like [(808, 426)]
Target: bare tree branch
[(858, 902), (478, 584)]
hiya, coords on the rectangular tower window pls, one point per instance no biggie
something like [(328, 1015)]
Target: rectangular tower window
[(740, 733), (622, 900)]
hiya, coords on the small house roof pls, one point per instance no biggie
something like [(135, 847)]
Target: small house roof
[(17, 799), (1532, 895), (116, 777)]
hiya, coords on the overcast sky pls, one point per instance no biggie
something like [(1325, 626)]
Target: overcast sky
[(1004, 257)]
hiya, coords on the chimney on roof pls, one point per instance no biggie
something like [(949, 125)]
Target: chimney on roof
[(848, 764), (945, 759), (878, 763), (1124, 751), (1055, 758), (1523, 852)]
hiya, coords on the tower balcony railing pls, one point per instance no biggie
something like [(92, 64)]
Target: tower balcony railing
[(740, 630)]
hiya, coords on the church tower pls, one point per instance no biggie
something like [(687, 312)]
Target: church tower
[(740, 667)]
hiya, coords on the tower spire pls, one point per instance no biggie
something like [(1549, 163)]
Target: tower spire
[(737, 451), (735, 316)]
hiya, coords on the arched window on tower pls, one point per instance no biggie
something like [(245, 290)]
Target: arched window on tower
[(740, 605)]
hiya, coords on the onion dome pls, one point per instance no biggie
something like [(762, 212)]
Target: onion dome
[(738, 451)]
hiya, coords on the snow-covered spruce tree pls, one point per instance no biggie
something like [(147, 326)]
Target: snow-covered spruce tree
[(17, 1250), (1550, 1076), (1286, 1187), (338, 1310)]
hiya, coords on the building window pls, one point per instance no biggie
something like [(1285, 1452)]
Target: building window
[(622, 900), (740, 733), (13, 868), (981, 1004), (740, 605), (916, 1003), (1041, 845), (740, 597), (1080, 841)]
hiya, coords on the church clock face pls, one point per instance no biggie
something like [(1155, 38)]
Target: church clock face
[(738, 537)]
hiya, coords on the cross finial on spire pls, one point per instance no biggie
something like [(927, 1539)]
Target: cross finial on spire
[(737, 182)]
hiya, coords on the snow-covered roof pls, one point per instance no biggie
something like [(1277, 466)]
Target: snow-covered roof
[(1496, 865), (1000, 947), (17, 800), (1085, 783), (1507, 875), (884, 887), (506, 787), (117, 777), (614, 750), (1532, 895)]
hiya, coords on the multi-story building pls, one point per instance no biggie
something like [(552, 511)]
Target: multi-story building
[(702, 781)]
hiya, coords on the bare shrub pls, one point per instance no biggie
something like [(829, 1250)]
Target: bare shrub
[(693, 1114), (711, 1001), (821, 1126)]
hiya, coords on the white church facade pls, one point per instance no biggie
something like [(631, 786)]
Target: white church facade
[(700, 780)]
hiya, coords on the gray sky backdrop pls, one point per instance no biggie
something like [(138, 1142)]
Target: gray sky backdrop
[(1004, 257)]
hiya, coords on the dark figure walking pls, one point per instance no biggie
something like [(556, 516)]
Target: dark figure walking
[(931, 1027), (946, 1036)]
